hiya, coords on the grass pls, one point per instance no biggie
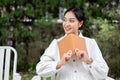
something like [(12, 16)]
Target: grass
[(117, 79), (28, 76)]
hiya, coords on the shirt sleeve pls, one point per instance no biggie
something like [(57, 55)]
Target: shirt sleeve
[(98, 68), (48, 61)]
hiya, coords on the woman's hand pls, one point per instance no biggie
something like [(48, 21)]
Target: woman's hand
[(66, 57), (83, 56)]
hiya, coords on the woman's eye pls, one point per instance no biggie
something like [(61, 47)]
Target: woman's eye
[(72, 21)]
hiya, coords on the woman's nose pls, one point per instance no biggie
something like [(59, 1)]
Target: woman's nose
[(66, 23)]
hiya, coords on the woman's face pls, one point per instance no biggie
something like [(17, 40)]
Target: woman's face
[(70, 23)]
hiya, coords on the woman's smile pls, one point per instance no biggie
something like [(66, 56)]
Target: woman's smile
[(67, 29)]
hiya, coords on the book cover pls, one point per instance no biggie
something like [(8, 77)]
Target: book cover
[(71, 42)]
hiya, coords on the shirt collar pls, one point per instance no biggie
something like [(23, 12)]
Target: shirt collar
[(80, 34)]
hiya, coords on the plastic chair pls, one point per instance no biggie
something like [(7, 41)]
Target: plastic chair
[(5, 57)]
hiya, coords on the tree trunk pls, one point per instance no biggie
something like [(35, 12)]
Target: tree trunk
[(26, 61)]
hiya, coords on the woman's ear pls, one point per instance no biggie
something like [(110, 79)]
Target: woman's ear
[(80, 23)]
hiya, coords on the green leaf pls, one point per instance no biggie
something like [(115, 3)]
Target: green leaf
[(29, 10)]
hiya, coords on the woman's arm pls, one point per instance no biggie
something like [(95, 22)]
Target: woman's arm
[(48, 61), (46, 67), (98, 68)]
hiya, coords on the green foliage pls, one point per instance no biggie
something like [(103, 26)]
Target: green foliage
[(21, 54), (42, 21), (4, 20), (62, 3), (117, 79), (80, 3), (18, 13), (109, 41), (29, 10), (5, 2), (3, 36), (114, 63), (103, 2), (19, 2), (52, 4), (25, 33)]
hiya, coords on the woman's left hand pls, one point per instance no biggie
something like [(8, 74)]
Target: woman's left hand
[(83, 56)]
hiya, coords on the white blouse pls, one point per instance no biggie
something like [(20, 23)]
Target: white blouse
[(74, 69)]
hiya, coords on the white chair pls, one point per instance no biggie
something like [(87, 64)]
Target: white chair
[(5, 57)]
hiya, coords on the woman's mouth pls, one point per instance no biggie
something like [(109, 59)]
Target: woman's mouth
[(67, 29)]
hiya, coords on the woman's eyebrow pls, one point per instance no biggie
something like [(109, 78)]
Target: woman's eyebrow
[(72, 18), (69, 18)]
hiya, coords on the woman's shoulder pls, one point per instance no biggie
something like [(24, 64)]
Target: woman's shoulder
[(89, 39), (85, 37), (55, 40), (60, 38)]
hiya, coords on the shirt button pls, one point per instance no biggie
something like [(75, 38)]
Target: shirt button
[(75, 71), (73, 60), (90, 66)]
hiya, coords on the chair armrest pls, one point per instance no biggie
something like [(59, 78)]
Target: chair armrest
[(17, 76)]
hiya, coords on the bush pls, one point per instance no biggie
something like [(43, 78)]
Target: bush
[(109, 41)]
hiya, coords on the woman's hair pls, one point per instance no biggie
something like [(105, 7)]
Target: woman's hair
[(79, 14)]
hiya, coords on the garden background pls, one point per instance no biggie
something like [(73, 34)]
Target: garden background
[(30, 25)]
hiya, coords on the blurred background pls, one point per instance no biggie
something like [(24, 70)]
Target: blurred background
[(30, 25)]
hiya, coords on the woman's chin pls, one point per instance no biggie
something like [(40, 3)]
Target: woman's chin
[(69, 33)]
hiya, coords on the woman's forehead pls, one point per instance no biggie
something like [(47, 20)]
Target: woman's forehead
[(70, 15)]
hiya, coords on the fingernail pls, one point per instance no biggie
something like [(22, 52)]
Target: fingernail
[(70, 51), (76, 50)]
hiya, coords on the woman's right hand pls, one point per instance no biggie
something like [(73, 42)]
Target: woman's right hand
[(66, 57)]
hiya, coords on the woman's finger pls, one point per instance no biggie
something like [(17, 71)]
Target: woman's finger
[(77, 50), (69, 53)]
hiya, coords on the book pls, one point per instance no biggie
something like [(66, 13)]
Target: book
[(71, 42)]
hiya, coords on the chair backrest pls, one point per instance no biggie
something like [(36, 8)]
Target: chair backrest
[(5, 57)]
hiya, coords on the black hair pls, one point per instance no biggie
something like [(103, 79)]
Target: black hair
[(79, 14)]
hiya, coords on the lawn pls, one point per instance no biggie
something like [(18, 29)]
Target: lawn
[(28, 76)]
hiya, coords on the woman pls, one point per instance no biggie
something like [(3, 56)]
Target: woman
[(73, 67)]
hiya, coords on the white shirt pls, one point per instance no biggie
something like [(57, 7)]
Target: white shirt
[(74, 69)]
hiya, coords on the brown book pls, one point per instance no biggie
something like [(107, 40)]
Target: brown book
[(71, 42)]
